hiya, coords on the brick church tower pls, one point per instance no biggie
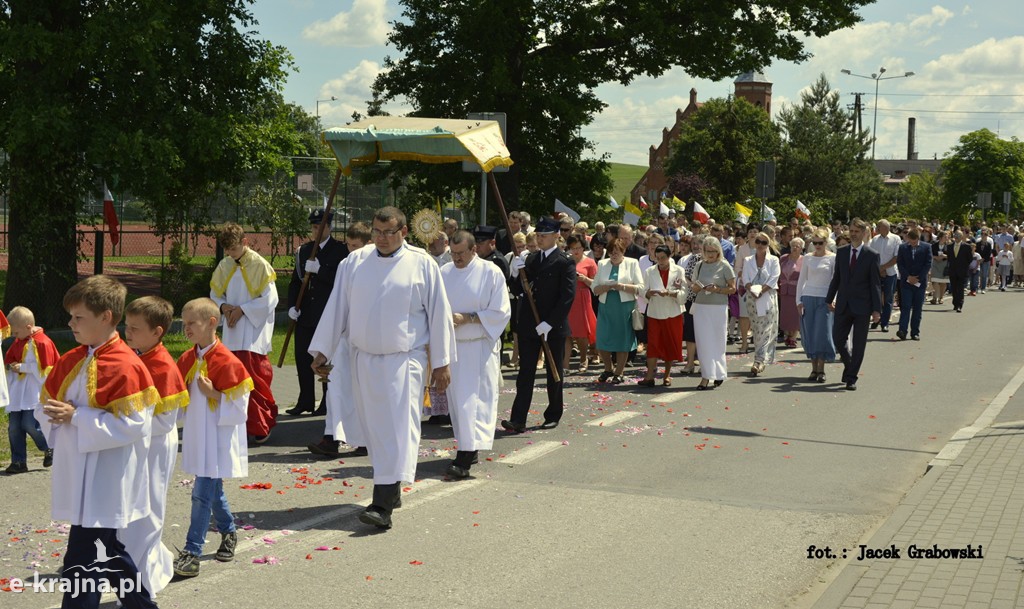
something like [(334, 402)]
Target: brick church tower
[(755, 88)]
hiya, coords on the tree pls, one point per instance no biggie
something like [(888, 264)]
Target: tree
[(822, 159), (722, 142), (167, 99), (922, 196), (981, 162), (540, 62)]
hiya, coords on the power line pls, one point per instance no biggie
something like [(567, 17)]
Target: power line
[(904, 110)]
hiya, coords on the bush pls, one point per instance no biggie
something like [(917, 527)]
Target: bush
[(181, 279)]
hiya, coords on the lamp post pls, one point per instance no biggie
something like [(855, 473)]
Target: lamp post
[(876, 77), (317, 174)]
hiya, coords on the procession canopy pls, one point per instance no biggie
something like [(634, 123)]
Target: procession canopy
[(428, 140)]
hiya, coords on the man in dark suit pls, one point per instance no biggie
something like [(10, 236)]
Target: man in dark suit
[(913, 260), (552, 276), (960, 256), (485, 237), (322, 269), (855, 295)]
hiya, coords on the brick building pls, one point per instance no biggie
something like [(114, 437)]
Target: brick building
[(753, 87)]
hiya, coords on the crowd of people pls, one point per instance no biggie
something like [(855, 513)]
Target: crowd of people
[(397, 332)]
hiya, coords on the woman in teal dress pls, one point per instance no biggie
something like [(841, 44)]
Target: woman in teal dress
[(617, 283)]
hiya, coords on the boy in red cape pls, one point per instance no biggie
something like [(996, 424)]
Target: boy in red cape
[(29, 359), (243, 288), (147, 319), (213, 446), (97, 410)]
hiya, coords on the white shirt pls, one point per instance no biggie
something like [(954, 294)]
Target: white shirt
[(887, 248), (254, 330), (815, 276)]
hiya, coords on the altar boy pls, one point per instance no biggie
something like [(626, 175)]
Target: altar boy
[(146, 321), (29, 359), (97, 408), (213, 445)]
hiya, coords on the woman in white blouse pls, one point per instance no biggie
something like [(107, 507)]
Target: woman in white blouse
[(617, 284), (665, 289), (815, 316), (761, 280)]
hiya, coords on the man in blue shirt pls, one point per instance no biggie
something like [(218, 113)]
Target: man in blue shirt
[(718, 232)]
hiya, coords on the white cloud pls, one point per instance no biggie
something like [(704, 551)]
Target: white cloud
[(352, 91), (938, 16), (363, 26)]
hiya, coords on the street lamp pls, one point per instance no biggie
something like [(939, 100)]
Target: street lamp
[(876, 77), (317, 174)]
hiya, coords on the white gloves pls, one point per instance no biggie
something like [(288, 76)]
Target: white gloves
[(294, 313), (543, 328), (518, 263), (313, 266)]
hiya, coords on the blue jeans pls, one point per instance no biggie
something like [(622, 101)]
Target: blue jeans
[(911, 305), (888, 288), (985, 268), (974, 282), (207, 497), (23, 422)]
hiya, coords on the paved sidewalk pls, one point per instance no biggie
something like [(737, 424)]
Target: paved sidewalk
[(976, 500)]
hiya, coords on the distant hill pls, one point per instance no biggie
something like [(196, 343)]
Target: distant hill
[(624, 178)]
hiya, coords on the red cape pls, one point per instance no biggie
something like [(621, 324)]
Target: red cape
[(220, 366), (117, 381), (46, 352), (166, 378)]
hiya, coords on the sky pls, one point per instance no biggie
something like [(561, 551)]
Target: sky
[(967, 60)]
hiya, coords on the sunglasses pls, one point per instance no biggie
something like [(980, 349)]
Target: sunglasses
[(761, 242), (818, 242)]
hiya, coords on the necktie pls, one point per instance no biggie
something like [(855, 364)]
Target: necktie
[(913, 252), (853, 258), (956, 250)]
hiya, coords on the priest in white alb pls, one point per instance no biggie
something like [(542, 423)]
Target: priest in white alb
[(390, 303), (480, 310)]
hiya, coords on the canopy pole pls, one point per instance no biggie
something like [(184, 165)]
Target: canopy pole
[(312, 255), (552, 366)]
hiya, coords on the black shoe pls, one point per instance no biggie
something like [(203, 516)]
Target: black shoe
[(511, 427), (326, 448), (851, 386), (457, 471), (901, 334), (915, 337), (704, 387), (186, 565), (297, 410), (718, 383), (874, 325), (321, 410), (376, 516), (885, 329), (226, 551), (813, 377), (604, 377), (16, 468), (821, 377), (959, 310), (549, 425), (616, 380), (359, 451), (438, 419), (48, 458)]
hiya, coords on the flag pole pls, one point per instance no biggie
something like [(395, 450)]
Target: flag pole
[(527, 291), (312, 254)]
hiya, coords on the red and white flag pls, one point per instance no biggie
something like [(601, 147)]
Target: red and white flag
[(643, 202), (700, 214), (110, 215), (802, 211)]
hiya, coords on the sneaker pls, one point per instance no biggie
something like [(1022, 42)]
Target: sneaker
[(48, 458), (16, 468), (226, 551), (186, 565)]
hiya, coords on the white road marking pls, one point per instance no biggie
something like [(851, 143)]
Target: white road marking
[(615, 417), (674, 397), (531, 452)]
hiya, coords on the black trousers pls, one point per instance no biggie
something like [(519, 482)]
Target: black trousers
[(303, 363), (87, 559), (956, 286), (841, 327), (529, 352)]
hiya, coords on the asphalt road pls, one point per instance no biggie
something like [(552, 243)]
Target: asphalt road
[(664, 497)]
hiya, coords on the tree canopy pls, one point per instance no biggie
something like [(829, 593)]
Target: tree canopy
[(167, 99), (540, 62), (981, 162)]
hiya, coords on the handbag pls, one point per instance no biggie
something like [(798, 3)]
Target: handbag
[(637, 318)]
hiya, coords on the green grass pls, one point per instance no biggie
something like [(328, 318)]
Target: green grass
[(624, 178)]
